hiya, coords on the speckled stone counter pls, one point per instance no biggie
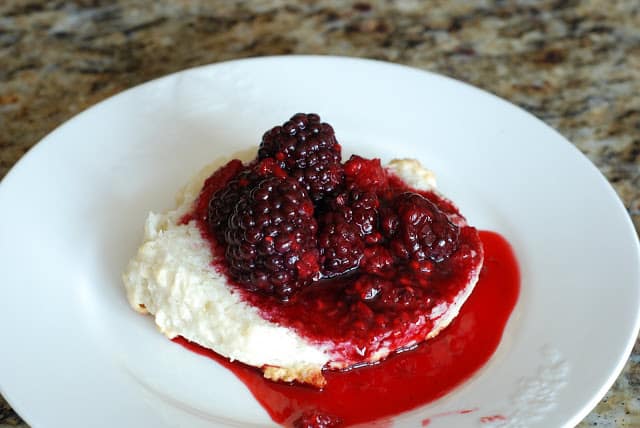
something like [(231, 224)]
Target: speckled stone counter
[(573, 64)]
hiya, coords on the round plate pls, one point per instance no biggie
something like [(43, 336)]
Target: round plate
[(72, 212)]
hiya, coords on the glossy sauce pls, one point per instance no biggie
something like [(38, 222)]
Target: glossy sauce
[(406, 380)]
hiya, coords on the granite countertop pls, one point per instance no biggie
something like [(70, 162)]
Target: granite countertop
[(573, 64)]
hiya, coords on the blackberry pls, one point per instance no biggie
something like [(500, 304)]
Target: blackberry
[(308, 150), (222, 202), (349, 223), (218, 180), (359, 208), (271, 237), (418, 229), (379, 261), (227, 196), (340, 243)]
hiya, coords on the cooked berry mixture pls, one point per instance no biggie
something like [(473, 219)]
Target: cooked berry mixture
[(341, 252), (417, 229)]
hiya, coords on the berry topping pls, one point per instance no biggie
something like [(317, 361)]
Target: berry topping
[(307, 149), (365, 174), (341, 244), (418, 229), (359, 208), (217, 181), (227, 196), (295, 215), (349, 222), (378, 260), (401, 293), (271, 237), (224, 199)]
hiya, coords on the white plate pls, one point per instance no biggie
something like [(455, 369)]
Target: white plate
[(72, 210)]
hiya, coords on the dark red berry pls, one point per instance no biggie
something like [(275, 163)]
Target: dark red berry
[(271, 237), (365, 174), (341, 245), (222, 201), (418, 229), (378, 260), (359, 208), (348, 224), (307, 149), (217, 181)]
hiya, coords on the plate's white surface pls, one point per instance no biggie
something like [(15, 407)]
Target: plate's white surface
[(72, 210)]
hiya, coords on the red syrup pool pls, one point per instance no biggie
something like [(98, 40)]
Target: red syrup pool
[(405, 380)]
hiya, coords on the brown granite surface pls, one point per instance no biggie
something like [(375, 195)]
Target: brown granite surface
[(573, 64)]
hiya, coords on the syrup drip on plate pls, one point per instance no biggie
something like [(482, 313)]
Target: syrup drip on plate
[(405, 380)]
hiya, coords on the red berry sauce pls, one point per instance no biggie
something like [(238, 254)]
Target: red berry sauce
[(405, 380)]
